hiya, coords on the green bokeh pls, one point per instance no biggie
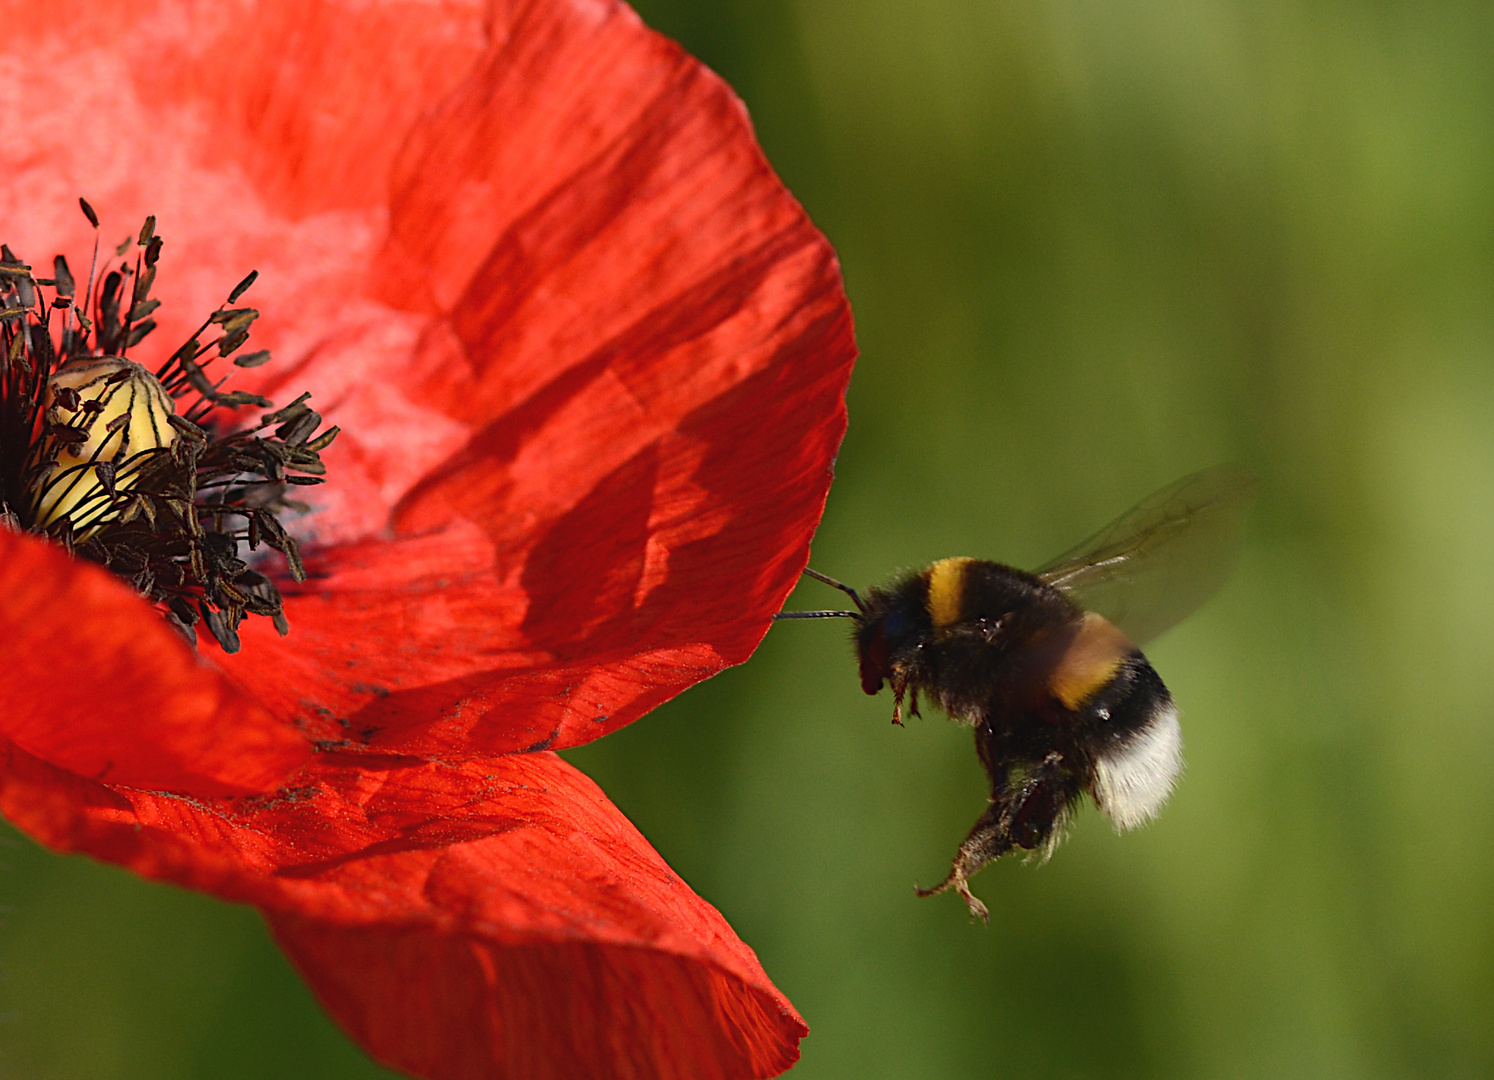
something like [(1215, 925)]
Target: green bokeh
[(1091, 247)]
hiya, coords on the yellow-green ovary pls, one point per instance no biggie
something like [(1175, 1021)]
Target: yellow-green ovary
[(124, 389)]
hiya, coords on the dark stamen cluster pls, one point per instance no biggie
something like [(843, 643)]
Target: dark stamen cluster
[(177, 513)]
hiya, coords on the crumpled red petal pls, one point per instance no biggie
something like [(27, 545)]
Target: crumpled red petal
[(575, 330), (498, 918), (644, 280), (589, 358), (96, 683)]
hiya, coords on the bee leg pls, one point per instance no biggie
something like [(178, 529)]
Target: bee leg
[(899, 687), (989, 840), (1026, 816), (1040, 805)]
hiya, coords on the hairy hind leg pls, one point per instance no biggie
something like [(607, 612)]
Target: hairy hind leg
[(987, 841), (1025, 815)]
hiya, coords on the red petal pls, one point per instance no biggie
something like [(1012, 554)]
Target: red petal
[(649, 343), (262, 135), (499, 918), (95, 682), (539, 271)]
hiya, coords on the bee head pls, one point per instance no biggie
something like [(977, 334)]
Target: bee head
[(892, 625), (891, 630)]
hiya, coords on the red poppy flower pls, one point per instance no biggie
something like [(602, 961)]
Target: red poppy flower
[(589, 359)]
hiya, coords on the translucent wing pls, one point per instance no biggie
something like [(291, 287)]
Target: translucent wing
[(1157, 563)]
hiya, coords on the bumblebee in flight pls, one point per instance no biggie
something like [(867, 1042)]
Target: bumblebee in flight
[(1046, 665)]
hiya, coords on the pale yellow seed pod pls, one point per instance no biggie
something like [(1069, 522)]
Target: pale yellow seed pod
[(71, 488)]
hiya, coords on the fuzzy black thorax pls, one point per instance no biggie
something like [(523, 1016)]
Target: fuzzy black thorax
[(148, 472), (962, 630)]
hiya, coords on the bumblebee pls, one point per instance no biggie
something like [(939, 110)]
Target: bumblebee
[(1047, 668)]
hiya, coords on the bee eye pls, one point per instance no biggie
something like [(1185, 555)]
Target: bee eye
[(895, 626), (874, 659)]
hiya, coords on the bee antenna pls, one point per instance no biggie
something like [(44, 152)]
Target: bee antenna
[(818, 615), (858, 614), (855, 599)]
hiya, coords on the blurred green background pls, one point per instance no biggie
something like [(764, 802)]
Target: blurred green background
[(1091, 247)]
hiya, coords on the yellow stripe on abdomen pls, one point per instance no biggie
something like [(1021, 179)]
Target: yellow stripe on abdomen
[(1090, 662), (946, 587)]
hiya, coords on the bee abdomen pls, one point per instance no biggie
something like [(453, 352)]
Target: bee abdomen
[(1090, 663), (1138, 742)]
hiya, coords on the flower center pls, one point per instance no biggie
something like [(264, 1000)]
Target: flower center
[(149, 473)]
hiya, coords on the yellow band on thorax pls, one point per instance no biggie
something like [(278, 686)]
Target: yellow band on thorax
[(946, 587)]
